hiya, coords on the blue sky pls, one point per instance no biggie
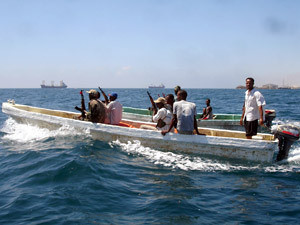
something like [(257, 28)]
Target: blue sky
[(135, 43)]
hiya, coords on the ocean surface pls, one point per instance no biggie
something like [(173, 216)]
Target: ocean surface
[(64, 177)]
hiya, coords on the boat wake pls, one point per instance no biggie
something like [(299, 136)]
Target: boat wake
[(280, 122), (25, 133), (196, 163), (294, 155), (177, 161)]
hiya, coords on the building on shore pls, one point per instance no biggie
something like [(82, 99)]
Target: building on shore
[(241, 87)]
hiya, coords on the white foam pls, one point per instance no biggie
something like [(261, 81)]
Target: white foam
[(294, 155), (186, 162), (25, 133), (177, 161), (277, 122)]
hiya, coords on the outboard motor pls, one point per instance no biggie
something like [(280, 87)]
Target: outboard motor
[(270, 115), (287, 135)]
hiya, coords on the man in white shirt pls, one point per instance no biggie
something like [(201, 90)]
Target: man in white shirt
[(114, 110), (253, 109), (163, 116)]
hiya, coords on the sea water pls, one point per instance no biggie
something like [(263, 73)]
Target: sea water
[(65, 177)]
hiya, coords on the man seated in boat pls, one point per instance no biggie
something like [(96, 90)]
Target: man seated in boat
[(207, 111), (184, 113), (97, 110), (114, 109), (162, 116), (176, 89), (169, 102)]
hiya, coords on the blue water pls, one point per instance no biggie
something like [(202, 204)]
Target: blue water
[(64, 177)]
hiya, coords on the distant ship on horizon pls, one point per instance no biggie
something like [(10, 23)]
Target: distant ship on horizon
[(61, 85), (161, 86)]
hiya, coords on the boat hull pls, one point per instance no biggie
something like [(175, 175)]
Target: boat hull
[(229, 144)]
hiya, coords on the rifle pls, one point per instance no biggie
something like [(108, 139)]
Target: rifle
[(82, 109), (154, 108), (104, 95)]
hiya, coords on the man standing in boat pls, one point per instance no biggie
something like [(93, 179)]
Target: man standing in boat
[(184, 113), (97, 110), (253, 109)]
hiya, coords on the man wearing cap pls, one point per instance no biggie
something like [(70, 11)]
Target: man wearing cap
[(114, 109), (97, 110), (163, 116)]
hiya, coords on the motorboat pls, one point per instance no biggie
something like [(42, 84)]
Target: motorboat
[(217, 142)]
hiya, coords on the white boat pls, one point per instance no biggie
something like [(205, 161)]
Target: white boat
[(223, 143)]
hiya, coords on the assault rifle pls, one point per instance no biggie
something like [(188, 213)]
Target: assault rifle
[(104, 95), (153, 108), (82, 109)]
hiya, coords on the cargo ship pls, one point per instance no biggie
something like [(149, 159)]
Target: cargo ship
[(161, 86), (61, 85)]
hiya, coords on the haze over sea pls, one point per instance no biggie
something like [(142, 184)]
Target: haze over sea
[(64, 177)]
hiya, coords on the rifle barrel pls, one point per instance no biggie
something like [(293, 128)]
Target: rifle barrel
[(77, 108)]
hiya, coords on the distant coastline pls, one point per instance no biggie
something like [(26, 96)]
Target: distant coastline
[(271, 86)]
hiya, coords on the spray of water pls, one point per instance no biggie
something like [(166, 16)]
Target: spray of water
[(25, 133), (23, 137), (187, 162)]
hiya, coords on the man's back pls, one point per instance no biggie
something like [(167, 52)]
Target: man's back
[(97, 111), (185, 112), (114, 112)]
